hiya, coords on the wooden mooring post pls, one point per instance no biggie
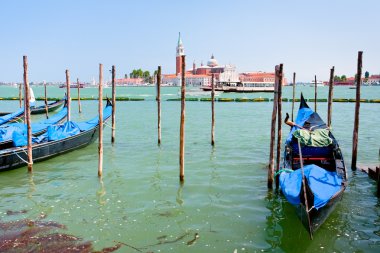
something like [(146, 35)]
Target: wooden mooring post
[(357, 109), (158, 98), (279, 72), (113, 105), (315, 93), (20, 94), (27, 114), (272, 136), (79, 105), (294, 93), (100, 111), (46, 103), (331, 92), (182, 124), (68, 94), (212, 110)]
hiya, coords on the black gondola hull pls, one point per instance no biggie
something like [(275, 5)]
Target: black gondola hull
[(16, 157), (318, 217), (51, 107)]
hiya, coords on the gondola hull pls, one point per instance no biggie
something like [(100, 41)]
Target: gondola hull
[(51, 107), (318, 217), (16, 157), (317, 165)]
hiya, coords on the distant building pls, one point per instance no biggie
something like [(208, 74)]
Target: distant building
[(223, 74), (374, 79), (129, 81), (202, 75)]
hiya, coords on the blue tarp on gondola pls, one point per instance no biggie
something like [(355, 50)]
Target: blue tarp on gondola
[(324, 184), (7, 132), (59, 132), (6, 118)]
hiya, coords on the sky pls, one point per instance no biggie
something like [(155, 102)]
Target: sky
[(308, 37)]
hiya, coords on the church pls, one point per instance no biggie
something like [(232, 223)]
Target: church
[(202, 75)]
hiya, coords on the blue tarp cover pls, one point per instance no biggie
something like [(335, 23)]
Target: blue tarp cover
[(7, 131), (302, 116), (58, 132), (4, 119), (324, 184)]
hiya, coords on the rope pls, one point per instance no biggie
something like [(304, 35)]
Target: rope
[(21, 157), (283, 170), (107, 125)]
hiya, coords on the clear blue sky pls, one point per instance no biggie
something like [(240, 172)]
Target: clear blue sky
[(308, 37)]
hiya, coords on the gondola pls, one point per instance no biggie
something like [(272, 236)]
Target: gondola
[(38, 128), (313, 177), (16, 116), (57, 140), (51, 107)]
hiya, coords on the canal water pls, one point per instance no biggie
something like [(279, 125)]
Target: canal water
[(224, 199)]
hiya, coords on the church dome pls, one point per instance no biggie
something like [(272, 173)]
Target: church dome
[(212, 62)]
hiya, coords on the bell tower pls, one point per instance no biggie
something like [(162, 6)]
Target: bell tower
[(180, 52)]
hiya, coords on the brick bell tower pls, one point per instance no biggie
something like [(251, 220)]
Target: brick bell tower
[(180, 52)]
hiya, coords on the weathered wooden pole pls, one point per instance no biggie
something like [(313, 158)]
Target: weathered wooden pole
[(158, 98), (212, 110), (100, 148), (294, 93), (113, 104), (315, 93), (182, 125), (357, 109), (20, 94), (46, 103), (79, 105), (68, 94), (279, 121), (27, 114), (331, 92), (378, 181), (272, 135)]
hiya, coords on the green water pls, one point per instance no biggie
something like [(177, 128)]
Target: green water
[(224, 198)]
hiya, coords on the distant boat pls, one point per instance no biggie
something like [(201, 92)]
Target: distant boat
[(319, 83), (243, 87), (320, 160), (73, 85), (199, 92)]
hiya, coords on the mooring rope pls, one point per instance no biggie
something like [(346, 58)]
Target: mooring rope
[(28, 163)]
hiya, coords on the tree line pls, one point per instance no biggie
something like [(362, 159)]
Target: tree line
[(139, 73), (343, 78)]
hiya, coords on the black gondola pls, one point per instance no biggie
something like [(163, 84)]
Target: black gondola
[(38, 128), (51, 107), (44, 147), (312, 155), (16, 116)]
